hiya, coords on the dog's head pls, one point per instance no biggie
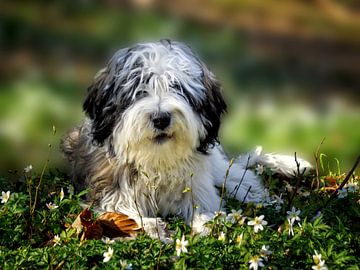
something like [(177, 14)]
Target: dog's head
[(155, 101)]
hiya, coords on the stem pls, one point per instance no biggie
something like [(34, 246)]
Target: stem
[(224, 183), (317, 165), (346, 179), (298, 181), (242, 178), (32, 210), (247, 192)]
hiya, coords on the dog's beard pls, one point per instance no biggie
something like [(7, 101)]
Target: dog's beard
[(137, 141)]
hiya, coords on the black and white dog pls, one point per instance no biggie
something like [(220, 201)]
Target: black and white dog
[(151, 133)]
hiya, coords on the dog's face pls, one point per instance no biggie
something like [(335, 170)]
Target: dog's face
[(155, 103)]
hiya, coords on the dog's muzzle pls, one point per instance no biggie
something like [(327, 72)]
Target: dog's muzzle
[(161, 120)]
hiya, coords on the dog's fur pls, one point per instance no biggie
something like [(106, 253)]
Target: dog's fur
[(151, 132)]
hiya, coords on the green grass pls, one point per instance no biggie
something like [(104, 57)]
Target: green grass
[(28, 228)]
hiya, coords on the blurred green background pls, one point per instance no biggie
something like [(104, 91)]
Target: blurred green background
[(290, 69)]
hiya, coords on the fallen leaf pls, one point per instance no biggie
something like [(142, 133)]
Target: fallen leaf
[(109, 224), (117, 225)]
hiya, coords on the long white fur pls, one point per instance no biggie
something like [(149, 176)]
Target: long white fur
[(166, 170)]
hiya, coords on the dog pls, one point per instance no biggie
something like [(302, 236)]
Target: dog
[(148, 146)]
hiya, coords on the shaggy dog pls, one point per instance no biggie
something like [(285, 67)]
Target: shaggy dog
[(151, 133)]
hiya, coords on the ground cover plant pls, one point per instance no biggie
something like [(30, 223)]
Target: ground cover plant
[(308, 222)]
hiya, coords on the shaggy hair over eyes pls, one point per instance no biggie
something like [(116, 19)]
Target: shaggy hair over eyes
[(151, 131)]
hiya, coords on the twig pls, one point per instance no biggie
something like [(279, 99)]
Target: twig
[(247, 192), (346, 179), (242, 178), (231, 162), (298, 181), (317, 165)]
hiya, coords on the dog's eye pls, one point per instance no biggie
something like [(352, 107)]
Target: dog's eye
[(141, 94)]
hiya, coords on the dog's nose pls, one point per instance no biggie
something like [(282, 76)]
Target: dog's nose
[(161, 120)]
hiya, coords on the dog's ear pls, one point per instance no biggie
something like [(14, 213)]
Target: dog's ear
[(212, 109), (103, 102)]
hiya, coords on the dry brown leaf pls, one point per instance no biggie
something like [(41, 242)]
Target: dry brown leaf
[(117, 225), (331, 182), (93, 231), (109, 224)]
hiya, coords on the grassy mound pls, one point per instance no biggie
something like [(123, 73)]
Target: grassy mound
[(301, 224)]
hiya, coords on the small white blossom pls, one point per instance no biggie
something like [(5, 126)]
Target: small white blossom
[(265, 252), (107, 240), (317, 258), (277, 199), (181, 245), (57, 240), (220, 214), (28, 168), (320, 266), (259, 169), (236, 217), (352, 187), (108, 254), (125, 265), (258, 223), (256, 262), (62, 194), (291, 228), (319, 263), (222, 236), (51, 206), (288, 187), (342, 193), (5, 196), (293, 215)]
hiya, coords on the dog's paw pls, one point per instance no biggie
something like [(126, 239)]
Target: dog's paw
[(156, 229), (199, 221)]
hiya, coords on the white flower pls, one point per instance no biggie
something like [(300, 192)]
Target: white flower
[(265, 252), (57, 240), (62, 194), (352, 187), (239, 238), (259, 169), (51, 206), (125, 265), (255, 262), (5, 196), (258, 223), (277, 199), (288, 187), (320, 266), (181, 246), (342, 193), (291, 228), (319, 263), (108, 254), (317, 258), (107, 240), (293, 215), (28, 168), (236, 217), (220, 214), (222, 236)]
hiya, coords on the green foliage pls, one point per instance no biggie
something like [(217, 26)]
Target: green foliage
[(27, 238)]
